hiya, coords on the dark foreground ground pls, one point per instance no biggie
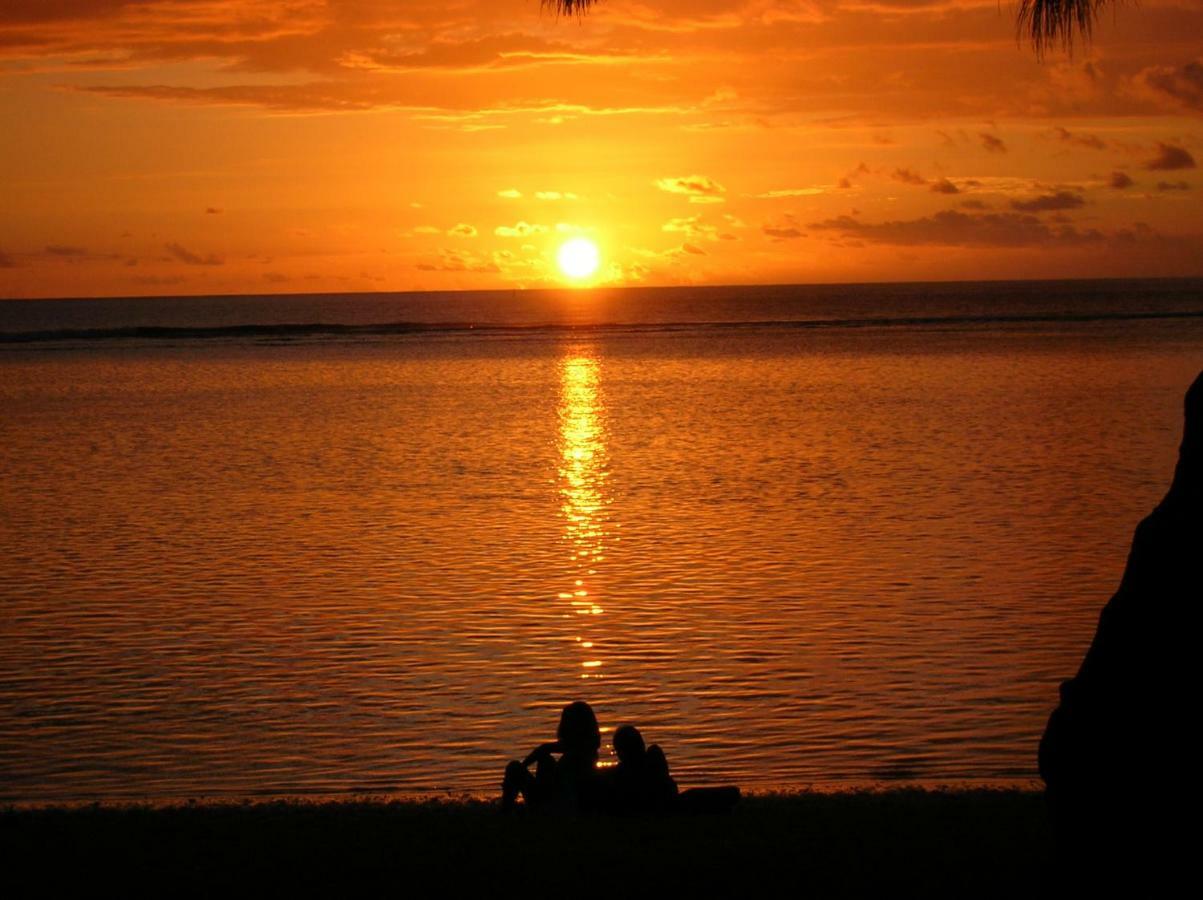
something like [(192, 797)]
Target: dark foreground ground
[(894, 844)]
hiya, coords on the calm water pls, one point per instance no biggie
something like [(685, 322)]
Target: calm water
[(795, 553)]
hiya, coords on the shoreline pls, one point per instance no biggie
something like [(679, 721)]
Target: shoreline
[(905, 841), (471, 798)]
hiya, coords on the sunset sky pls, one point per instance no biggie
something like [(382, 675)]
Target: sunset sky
[(215, 146)]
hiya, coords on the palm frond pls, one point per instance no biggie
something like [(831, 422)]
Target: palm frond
[(569, 7), (1047, 23), (1056, 22)]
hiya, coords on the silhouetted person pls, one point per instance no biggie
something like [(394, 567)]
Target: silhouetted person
[(568, 784), (640, 781), (1118, 755)]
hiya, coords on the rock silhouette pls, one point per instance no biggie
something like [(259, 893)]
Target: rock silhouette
[(1118, 756)]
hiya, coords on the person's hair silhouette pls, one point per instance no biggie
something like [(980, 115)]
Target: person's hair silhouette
[(578, 731), (628, 744)]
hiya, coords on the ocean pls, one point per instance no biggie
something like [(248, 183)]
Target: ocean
[(331, 545)]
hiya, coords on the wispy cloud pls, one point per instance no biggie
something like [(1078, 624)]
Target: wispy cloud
[(993, 143), (1180, 86), (519, 230), (184, 255), (951, 228), (1089, 141), (785, 228), (1170, 157), (699, 188), (906, 176), (1059, 200)]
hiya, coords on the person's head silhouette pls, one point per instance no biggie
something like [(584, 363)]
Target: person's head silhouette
[(578, 732), (628, 744)]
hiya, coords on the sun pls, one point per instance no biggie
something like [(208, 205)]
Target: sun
[(578, 258)]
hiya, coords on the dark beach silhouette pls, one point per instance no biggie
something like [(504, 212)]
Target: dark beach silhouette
[(1117, 756), (639, 783)]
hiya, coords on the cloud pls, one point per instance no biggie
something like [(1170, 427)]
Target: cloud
[(187, 256), (693, 248), (449, 260), (951, 228), (908, 177), (1170, 157), (328, 96), (462, 230), (555, 195), (1120, 180), (737, 58), (492, 51), (213, 211), (64, 250), (974, 204), (992, 143), (1179, 86), (696, 186), (1173, 186), (691, 227), (510, 194), (426, 229), (520, 230), (944, 186), (847, 182), (6, 261), (785, 228), (347, 36), (791, 192), (1050, 202), (465, 110), (1081, 140)]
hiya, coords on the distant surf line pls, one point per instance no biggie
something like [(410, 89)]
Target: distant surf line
[(295, 331)]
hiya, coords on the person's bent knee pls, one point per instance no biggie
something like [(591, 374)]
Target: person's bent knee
[(514, 771)]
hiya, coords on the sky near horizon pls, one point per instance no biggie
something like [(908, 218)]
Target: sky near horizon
[(229, 146)]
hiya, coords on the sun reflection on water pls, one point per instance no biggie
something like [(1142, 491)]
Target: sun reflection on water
[(583, 490)]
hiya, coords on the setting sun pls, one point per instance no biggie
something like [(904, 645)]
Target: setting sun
[(578, 258)]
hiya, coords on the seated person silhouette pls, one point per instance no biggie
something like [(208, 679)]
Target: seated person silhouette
[(640, 782), (568, 784)]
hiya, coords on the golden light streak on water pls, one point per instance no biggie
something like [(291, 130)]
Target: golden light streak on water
[(583, 493)]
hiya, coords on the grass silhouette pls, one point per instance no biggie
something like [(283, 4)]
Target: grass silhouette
[(896, 843)]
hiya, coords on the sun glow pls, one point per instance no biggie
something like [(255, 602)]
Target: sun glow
[(578, 258)]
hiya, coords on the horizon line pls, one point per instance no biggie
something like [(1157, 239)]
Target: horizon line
[(605, 288)]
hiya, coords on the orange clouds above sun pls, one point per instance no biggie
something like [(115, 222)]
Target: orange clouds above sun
[(194, 146)]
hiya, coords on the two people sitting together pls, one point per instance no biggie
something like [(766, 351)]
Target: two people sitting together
[(638, 783)]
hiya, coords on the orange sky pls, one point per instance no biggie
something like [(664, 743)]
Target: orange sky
[(212, 146)]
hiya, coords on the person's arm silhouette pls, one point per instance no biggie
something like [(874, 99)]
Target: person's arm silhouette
[(543, 751)]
